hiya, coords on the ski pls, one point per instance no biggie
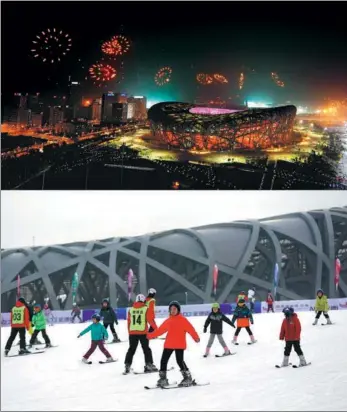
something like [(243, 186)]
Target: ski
[(112, 361), (88, 363), (112, 343), (302, 366), (224, 355), (252, 343), (173, 384), (53, 346), (235, 343), (26, 354), (280, 366), (146, 373), (327, 324), (190, 386)]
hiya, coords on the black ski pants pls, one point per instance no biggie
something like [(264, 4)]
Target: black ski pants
[(270, 306), (179, 359), (324, 313), (14, 332), (248, 329), (44, 335), (290, 344), (133, 342), (113, 330), (74, 316)]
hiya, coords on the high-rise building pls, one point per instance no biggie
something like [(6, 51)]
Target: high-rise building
[(36, 119), (140, 107), (131, 111), (74, 100), (108, 99), (56, 115), (119, 112), (96, 110)]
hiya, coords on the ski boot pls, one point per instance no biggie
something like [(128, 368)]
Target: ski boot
[(226, 352), (162, 381), (285, 361), (38, 342), (6, 352), (115, 338), (207, 352), (110, 359), (187, 379), (48, 345), (329, 322), (302, 360), (23, 351), (252, 339), (150, 368), (234, 341), (127, 369), (84, 360), (315, 322)]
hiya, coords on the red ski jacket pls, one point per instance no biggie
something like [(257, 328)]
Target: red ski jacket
[(291, 328)]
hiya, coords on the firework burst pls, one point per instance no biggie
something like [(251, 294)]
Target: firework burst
[(102, 73), (220, 78), (163, 76), (51, 45), (204, 79), (111, 49), (241, 81), (119, 45), (276, 79)]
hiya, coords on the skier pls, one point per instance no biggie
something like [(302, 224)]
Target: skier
[(150, 302), (75, 313), (290, 332), (39, 322), (251, 298), (99, 334), (241, 295), (20, 321), (30, 308), (109, 318), (138, 318), (176, 326), (322, 306), (270, 302), (216, 319), (48, 313), (244, 316)]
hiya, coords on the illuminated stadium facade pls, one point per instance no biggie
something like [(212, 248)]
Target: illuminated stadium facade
[(186, 126), (179, 263)]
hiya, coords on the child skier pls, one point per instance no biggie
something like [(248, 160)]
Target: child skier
[(216, 319), (20, 321), (322, 306), (39, 323), (99, 334), (176, 326), (241, 295), (48, 313), (244, 317), (290, 332), (270, 302), (109, 318), (251, 298), (75, 313), (139, 316)]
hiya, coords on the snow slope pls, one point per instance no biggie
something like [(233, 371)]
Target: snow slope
[(57, 380)]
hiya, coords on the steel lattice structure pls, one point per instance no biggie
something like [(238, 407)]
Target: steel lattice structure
[(174, 124), (181, 261)]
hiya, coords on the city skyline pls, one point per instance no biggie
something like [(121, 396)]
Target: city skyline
[(309, 55)]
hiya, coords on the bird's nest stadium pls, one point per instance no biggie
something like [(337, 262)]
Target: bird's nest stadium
[(187, 126)]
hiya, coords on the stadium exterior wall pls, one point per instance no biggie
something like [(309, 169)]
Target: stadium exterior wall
[(174, 124), (179, 263)]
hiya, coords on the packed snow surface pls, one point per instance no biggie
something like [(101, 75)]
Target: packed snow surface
[(57, 380)]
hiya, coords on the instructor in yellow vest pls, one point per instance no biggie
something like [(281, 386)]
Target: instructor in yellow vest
[(150, 302)]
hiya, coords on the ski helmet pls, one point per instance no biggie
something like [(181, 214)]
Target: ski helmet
[(105, 301), (215, 305), (22, 300), (242, 301), (176, 304), (152, 291), (288, 311), (141, 298), (320, 291), (37, 305), (97, 317)]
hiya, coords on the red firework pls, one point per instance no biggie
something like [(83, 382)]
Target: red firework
[(102, 73)]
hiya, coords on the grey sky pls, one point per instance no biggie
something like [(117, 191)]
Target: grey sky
[(61, 217)]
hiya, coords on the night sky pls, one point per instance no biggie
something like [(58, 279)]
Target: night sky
[(305, 43)]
